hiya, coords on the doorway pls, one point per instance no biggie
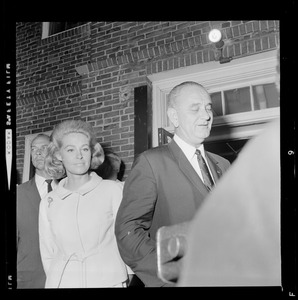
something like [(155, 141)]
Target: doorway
[(229, 149)]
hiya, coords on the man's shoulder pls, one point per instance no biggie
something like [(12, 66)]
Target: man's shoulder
[(219, 158), (26, 184), (26, 187), (156, 152), (26, 191)]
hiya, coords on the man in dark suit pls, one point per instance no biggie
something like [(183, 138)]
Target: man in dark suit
[(30, 273), (166, 185), (242, 246)]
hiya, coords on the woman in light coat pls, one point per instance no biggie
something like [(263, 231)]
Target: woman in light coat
[(76, 221)]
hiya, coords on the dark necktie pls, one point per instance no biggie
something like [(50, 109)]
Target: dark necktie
[(48, 181), (205, 171)]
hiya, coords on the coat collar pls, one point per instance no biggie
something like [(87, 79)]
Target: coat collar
[(32, 192), (187, 168), (189, 171), (62, 192), (214, 166)]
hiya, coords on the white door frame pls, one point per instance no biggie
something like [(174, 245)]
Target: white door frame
[(252, 69)]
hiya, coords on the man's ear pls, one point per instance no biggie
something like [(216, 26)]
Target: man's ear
[(173, 116)]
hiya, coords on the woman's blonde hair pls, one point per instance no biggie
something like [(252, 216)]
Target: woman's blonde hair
[(53, 165)]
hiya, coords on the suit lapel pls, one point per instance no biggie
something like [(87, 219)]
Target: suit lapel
[(33, 193), (214, 166), (187, 168)]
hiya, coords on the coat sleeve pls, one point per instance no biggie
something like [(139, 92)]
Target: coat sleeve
[(47, 245), (117, 197), (134, 219)]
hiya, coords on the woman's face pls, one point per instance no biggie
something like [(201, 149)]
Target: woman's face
[(76, 153)]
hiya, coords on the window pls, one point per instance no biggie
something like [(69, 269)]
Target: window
[(51, 28), (243, 94), (249, 98)]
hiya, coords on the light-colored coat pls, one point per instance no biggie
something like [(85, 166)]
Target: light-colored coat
[(77, 240)]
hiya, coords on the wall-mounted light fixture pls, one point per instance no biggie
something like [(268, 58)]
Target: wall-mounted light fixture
[(215, 36)]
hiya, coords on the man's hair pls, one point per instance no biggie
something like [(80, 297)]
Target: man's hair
[(175, 92), (40, 135)]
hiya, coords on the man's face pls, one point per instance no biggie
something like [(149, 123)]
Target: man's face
[(38, 152), (194, 115)]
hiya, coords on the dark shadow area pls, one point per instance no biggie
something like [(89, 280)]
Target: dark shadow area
[(112, 168)]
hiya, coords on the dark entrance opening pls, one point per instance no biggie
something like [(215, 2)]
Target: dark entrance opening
[(228, 149)]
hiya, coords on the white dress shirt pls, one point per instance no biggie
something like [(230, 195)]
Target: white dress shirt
[(190, 153), (42, 186)]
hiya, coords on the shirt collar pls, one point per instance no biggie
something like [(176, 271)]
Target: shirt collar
[(188, 149), (39, 180)]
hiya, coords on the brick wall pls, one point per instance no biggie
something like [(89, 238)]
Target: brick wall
[(90, 72)]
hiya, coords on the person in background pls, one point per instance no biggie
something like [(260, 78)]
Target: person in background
[(76, 221), (111, 168), (166, 184), (30, 273), (242, 245), (115, 161)]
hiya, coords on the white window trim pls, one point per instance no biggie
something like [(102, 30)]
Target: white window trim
[(253, 70), (46, 29), (27, 155)]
